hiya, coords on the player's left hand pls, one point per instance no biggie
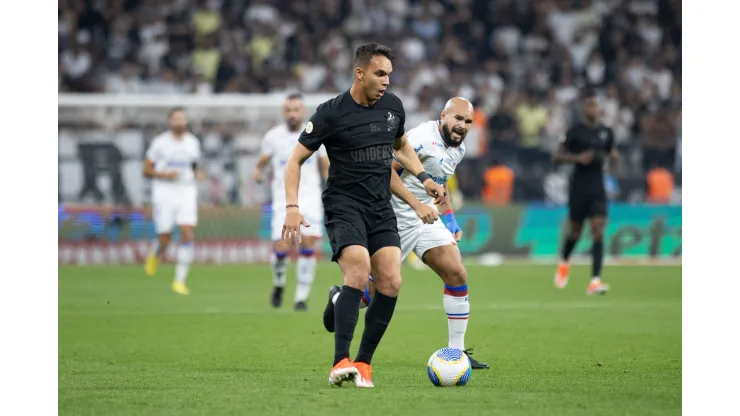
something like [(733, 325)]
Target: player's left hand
[(458, 235), (436, 191)]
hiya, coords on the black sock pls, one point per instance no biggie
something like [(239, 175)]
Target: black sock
[(568, 246), (377, 318), (597, 258), (346, 313)]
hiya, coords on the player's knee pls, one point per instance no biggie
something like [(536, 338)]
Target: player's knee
[(390, 285), (355, 265), (186, 234), (575, 232), (597, 235), (456, 276)]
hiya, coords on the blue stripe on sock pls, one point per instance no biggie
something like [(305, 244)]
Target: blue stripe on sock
[(456, 288), (458, 314), (281, 254), (307, 252), (367, 295), (371, 278), (186, 244)]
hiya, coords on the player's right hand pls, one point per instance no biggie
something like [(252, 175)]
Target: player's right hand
[(292, 226), (586, 157), (436, 191), (257, 175), (169, 175), (427, 214)]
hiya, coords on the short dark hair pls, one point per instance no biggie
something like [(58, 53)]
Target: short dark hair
[(295, 96), (367, 51), (174, 110)]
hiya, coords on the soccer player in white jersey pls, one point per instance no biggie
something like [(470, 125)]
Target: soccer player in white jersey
[(277, 147), (439, 145), (172, 164)]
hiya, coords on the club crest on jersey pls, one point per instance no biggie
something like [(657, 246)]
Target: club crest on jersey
[(309, 127), (602, 135), (392, 122)]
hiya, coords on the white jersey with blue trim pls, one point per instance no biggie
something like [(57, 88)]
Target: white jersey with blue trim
[(169, 153), (439, 162), (279, 143)]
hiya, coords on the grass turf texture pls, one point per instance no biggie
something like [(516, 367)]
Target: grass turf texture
[(128, 345)]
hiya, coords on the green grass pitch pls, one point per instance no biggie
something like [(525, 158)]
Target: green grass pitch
[(129, 346)]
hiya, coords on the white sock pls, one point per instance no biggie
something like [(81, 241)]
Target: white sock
[(279, 264), (457, 308), (306, 271), (184, 258)]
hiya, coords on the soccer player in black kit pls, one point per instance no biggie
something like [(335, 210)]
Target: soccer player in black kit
[(362, 130), (589, 145)]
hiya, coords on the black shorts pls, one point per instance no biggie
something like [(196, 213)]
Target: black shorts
[(349, 224), (584, 205)]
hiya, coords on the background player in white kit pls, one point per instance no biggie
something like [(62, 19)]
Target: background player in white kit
[(439, 145), (277, 147), (172, 164)]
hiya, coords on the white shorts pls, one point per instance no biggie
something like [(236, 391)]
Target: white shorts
[(424, 237), (313, 212), (170, 214)]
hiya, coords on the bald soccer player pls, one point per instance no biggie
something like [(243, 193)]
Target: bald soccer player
[(439, 145)]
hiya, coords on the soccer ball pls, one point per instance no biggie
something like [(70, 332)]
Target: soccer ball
[(449, 367)]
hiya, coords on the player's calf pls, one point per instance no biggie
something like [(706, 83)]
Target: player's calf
[(279, 278), (354, 261), (185, 254), (306, 272), (569, 244), (596, 286), (159, 247)]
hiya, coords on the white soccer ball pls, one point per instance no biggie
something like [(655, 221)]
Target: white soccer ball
[(449, 367)]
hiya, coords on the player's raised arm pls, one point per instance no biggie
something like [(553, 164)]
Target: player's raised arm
[(406, 156), (427, 214)]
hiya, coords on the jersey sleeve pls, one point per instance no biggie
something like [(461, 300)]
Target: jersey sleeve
[(154, 153), (568, 138), (267, 147), (197, 156), (318, 130)]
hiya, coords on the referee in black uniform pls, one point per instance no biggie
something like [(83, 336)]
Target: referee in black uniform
[(362, 130), (589, 145)]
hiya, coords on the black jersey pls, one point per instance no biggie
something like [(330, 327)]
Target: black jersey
[(580, 138), (359, 143)]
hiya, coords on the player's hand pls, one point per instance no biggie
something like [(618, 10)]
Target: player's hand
[(436, 191), (292, 226), (169, 175), (458, 235), (427, 214), (586, 157), (257, 175), (200, 176)]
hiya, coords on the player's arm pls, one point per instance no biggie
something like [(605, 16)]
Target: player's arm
[(293, 172), (448, 216), (265, 157), (152, 154), (406, 156), (427, 214), (200, 174), (313, 136), (563, 155)]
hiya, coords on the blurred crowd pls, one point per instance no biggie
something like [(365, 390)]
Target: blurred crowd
[(521, 62)]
